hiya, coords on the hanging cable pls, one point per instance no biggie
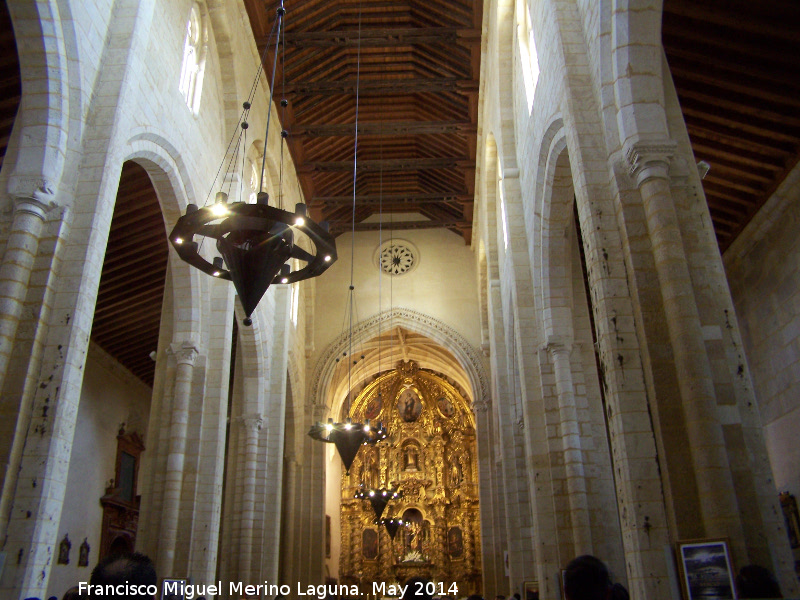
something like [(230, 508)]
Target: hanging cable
[(353, 231)]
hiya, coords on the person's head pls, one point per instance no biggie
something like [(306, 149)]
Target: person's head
[(71, 594), (499, 597), (121, 569), (586, 578), (417, 589), (754, 581)]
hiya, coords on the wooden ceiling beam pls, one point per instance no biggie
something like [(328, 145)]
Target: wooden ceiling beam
[(709, 57), (341, 226), (737, 185), (708, 114), (735, 82), (383, 87), (734, 202), (126, 314), (384, 37), (376, 199), (743, 104), (109, 304), (730, 19), (389, 165), (775, 152), (384, 128)]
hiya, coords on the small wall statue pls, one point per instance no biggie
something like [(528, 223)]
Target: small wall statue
[(63, 550), (83, 554)]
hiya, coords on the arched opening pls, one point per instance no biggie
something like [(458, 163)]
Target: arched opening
[(11, 86), (410, 379), (129, 300)]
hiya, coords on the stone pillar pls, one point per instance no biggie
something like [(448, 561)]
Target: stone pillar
[(15, 270), (251, 425), (571, 444), (185, 354), (649, 164), (288, 573)]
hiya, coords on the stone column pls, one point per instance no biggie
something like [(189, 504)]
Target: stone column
[(18, 259), (252, 426), (571, 444), (649, 164), (185, 354), (289, 520)]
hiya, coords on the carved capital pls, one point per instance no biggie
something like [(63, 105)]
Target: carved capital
[(649, 160), (251, 422), (37, 188), (185, 353), (558, 347)]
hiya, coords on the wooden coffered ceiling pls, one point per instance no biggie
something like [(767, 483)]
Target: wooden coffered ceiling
[(736, 67), (417, 106)]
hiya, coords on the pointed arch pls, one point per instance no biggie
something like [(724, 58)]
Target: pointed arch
[(468, 358)]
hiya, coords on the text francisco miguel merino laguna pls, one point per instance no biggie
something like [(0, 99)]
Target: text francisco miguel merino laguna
[(188, 591)]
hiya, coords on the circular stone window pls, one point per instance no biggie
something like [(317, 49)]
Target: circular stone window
[(397, 257)]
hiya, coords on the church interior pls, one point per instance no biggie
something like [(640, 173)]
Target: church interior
[(489, 285)]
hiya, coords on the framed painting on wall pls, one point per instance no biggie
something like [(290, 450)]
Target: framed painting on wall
[(706, 570)]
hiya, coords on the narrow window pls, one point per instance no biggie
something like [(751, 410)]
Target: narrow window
[(529, 60), (194, 60)]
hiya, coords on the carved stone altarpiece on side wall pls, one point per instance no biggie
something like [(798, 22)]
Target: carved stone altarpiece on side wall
[(430, 455)]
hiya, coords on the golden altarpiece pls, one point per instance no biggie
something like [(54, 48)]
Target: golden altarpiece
[(430, 456)]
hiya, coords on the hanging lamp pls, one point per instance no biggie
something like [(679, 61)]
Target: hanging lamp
[(392, 525), (378, 498), (255, 240)]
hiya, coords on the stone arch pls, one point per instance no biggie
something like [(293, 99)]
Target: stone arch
[(504, 26), (555, 266), (41, 129), (468, 358), (174, 189), (637, 65)]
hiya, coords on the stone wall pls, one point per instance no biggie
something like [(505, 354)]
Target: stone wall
[(763, 268)]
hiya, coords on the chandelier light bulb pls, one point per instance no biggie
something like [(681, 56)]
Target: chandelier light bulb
[(219, 209), (180, 241), (327, 258), (299, 221)]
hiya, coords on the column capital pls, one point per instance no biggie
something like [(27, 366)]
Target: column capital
[(555, 346), (184, 352), (648, 160), (482, 406), (32, 196), (251, 422)]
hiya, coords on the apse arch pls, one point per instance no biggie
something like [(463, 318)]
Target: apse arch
[(466, 356)]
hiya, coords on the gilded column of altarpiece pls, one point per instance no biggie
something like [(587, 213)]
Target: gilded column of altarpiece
[(430, 455)]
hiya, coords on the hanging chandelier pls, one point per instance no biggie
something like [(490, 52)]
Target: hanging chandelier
[(255, 241), (348, 437), (378, 498), (392, 525)]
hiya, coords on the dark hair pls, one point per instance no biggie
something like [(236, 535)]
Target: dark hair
[(586, 578), (72, 594), (754, 581), (417, 592), (120, 569)]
